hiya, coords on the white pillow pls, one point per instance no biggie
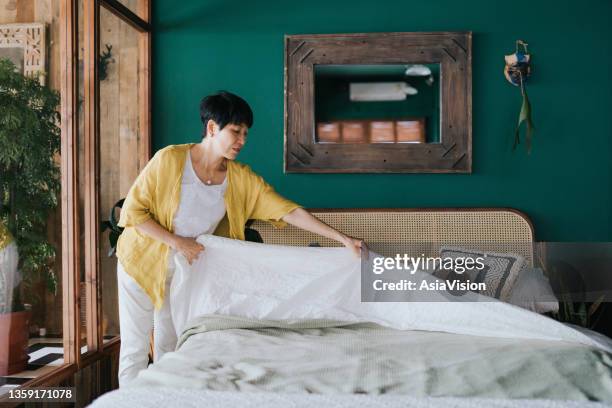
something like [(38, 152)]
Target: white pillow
[(532, 291)]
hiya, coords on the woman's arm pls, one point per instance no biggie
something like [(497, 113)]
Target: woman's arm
[(189, 247), (304, 220), (271, 206)]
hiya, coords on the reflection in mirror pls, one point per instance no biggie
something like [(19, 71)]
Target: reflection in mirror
[(377, 103)]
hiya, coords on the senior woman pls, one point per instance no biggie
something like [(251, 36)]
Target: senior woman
[(184, 191)]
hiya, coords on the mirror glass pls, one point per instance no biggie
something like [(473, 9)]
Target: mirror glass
[(388, 103), (120, 130)]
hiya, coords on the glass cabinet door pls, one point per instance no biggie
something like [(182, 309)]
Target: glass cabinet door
[(121, 143)]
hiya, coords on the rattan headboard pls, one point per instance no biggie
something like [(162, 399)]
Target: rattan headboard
[(387, 229)]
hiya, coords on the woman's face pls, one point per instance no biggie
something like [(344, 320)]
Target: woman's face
[(229, 141)]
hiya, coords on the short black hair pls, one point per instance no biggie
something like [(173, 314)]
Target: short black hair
[(225, 108)]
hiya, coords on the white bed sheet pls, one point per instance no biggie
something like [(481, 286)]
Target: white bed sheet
[(277, 282)]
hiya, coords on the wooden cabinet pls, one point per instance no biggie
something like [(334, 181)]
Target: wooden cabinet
[(372, 131), (89, 357)]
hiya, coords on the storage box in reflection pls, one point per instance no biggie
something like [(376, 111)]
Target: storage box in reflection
[(328, 132), (410, 131), (382, 132), (353, 132)]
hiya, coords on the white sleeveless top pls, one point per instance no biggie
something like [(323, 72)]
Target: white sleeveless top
[(201, 206)]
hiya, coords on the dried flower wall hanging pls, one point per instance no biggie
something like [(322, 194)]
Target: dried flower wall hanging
[(517, 71)]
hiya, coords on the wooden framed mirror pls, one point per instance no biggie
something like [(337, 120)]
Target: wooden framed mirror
[(378, 103)]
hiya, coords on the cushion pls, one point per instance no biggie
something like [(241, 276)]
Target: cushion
[(499, 273)]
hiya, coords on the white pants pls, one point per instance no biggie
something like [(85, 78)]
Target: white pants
[(137, 317)]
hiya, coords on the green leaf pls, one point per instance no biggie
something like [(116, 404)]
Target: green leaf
[(524, 116)]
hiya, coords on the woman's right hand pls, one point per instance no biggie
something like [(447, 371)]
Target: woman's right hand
[(189, 247)]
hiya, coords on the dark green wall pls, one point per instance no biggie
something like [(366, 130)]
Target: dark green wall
[(565, 185)]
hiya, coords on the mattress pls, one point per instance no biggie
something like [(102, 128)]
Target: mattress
[(225, 355), (190, 398)]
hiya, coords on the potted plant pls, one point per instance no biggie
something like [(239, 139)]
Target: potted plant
[(29, 187)]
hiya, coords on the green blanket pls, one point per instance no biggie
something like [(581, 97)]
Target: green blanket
[(321, 356)]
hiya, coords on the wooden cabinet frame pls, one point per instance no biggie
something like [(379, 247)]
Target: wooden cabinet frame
[(91, 83), (71, 179), (452, 50)]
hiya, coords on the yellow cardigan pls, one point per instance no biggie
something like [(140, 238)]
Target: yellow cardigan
[(156, 194)]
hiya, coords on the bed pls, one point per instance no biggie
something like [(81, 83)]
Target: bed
[(224, 360)]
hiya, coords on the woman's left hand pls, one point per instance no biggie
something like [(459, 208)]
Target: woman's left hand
[(354, 244)]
